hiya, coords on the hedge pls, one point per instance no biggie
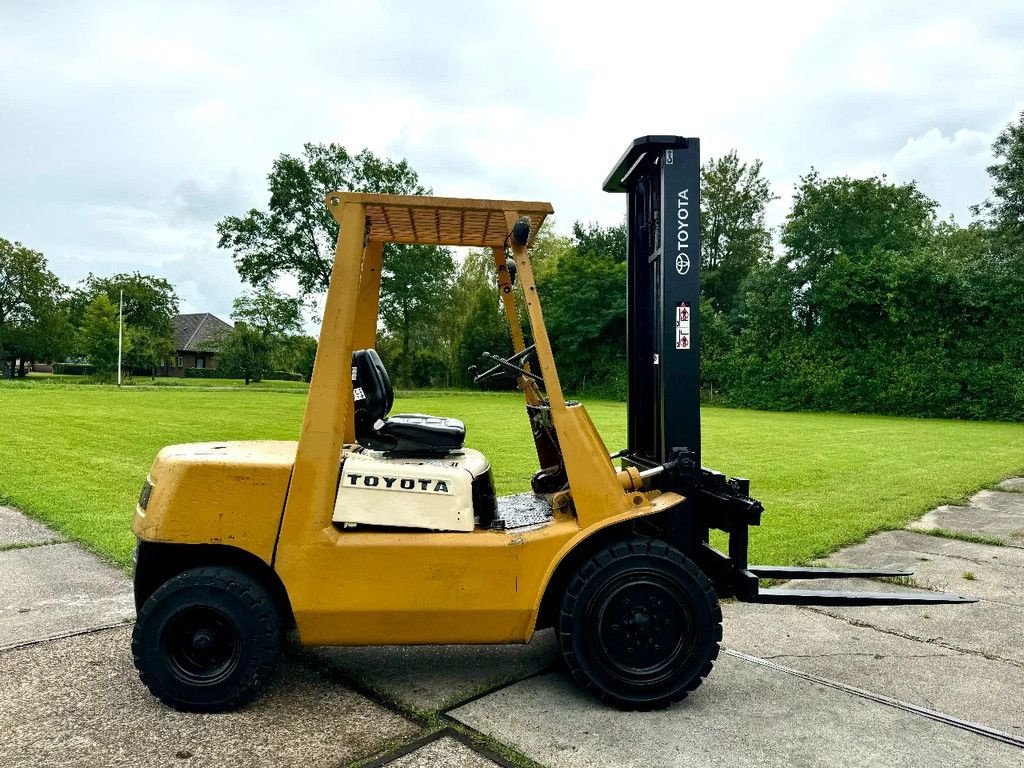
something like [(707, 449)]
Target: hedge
[(213, 373), (72, 369), (204, 373)]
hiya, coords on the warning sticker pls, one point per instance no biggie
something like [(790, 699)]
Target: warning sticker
[(683, 326)]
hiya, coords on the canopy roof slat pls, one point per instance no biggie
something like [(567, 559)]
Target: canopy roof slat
[(439, 220)]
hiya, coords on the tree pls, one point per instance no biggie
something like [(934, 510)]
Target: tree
[(296, 235), (273, 314), (734, 238), (146, 350), (415, 287), (548, 248), (474, 320), (98, 334), (295, 353), (264, 318), (584, 297), (1004, 211), (150, 304), (843, 218), (594, 241), (246, 353), (33, 316)]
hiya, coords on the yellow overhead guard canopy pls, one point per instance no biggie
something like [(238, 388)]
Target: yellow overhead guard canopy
[(439, 220)]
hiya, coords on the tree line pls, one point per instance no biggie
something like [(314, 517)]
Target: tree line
[(44, 320), (863, 300)]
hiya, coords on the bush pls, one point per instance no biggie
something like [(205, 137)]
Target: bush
[(217, 373), (282, 376), (205, 373), (72, 369)]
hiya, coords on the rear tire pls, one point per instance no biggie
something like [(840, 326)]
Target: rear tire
[(640, 625), (207, 640)]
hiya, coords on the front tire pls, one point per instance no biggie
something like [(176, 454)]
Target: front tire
[(207, 640), (640, 625)]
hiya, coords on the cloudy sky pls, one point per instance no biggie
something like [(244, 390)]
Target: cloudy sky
[(128, 130)]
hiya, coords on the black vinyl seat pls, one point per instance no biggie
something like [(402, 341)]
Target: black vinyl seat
[(407, 433)]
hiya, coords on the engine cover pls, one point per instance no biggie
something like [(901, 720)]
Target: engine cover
[(431, 493)]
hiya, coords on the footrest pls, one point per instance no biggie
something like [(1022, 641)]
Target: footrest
[(835, 598), (521, 510), (814, 572)]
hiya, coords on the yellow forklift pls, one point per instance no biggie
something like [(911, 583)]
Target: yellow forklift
[(382, 529)]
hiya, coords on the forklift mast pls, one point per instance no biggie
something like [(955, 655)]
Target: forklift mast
[(661, 178)]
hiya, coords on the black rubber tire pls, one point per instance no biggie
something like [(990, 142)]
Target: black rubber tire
[(207, 640), (640, 625)]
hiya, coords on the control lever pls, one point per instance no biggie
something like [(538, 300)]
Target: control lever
[(507, 364)]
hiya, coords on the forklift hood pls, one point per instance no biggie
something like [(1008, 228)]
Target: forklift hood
[(229, 493)]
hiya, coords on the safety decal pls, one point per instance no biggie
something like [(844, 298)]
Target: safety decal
[(683, 326), (358, 394)]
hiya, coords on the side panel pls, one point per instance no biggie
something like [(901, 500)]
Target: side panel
[(203, 499), (377, 588), (435, 588), (429, 494)]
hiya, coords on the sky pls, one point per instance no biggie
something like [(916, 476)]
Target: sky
[(128, 130)]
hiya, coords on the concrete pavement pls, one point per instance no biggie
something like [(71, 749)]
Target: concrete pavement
[(878, 686), (868, 686)]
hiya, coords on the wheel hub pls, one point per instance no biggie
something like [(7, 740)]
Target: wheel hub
[(201, 644), (202, 640), (643, 626)]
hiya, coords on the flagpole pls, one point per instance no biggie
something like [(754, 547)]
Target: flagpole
[(120, 327)]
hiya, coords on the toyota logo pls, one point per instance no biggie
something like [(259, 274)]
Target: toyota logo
[(682, 264)]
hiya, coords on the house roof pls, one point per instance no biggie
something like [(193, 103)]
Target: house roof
[(201, 332)]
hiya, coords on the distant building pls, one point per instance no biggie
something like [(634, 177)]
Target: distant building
[(198, 340)]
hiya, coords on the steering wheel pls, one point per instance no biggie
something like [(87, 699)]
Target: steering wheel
[(511, 365)]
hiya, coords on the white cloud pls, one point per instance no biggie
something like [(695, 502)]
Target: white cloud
[(127, 131)]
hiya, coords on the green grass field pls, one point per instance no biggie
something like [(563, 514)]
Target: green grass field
[(75, 456)]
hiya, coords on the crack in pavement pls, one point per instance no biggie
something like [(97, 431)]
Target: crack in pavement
[(860, 653), (908, 636), (992, 561)]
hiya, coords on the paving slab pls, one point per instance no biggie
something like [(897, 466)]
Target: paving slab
[(964, 685), (433, 678), (446, 752), (994, 514), (743, 715), (56, 590), (78, 702), (986, 628), (1000, 501), (18, 530), (980, 570), (1013, 484)]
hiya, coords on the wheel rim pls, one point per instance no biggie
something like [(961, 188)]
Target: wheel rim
[(644, 627), (202, 645)]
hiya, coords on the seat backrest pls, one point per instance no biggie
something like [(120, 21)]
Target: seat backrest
[(371, 386)]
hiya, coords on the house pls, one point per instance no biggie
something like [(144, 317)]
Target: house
[(197, 339)]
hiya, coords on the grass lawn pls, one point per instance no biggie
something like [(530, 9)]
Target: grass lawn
[(75, 456)]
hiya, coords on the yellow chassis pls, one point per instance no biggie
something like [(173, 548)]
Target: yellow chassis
[(355, 587)]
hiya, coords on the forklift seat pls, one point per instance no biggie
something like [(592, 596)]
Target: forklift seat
[(405, 433)]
